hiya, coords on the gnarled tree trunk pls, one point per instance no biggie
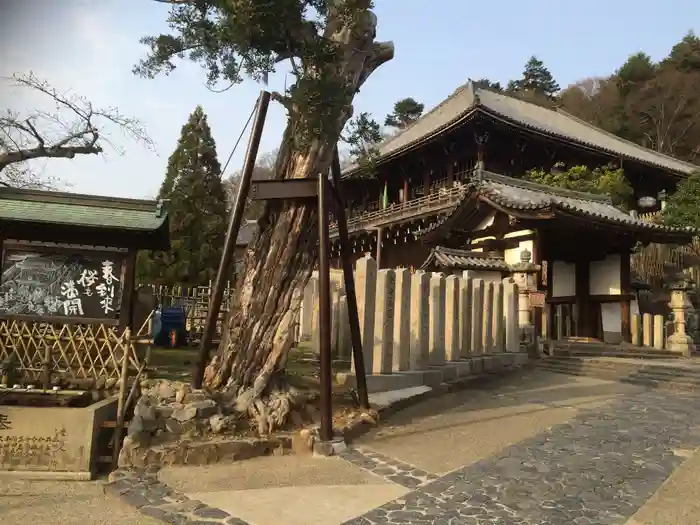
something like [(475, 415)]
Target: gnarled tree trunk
[(250, 358)]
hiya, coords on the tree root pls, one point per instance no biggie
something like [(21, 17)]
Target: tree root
[(271, 409)]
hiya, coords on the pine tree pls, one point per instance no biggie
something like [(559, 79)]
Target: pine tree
[(197, 208), (536, 79), (406, 112), (485, 83)]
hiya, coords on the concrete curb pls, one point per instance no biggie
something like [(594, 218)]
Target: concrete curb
[(141, 489)]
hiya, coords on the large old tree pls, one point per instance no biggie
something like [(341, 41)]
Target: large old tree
[(332, 49)]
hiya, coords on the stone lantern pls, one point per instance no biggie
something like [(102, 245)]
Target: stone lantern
[(524, 276), (680, 341)]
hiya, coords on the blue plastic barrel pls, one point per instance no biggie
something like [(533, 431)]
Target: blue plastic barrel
[(173, 331)]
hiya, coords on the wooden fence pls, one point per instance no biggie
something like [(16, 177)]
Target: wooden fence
[(72, 351), (195, 300), (651, 263)]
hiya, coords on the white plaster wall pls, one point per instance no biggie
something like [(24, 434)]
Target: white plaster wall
[(485, 275), (612, 317), (512, 255), (518, 233), (563, 279), (605, 276)]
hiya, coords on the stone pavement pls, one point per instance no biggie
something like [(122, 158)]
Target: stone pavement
[(531, 449), (63, 502), (534, 448)]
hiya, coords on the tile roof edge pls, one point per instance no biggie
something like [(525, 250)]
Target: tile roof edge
[(621, 139), (542, 188), (76, 199)]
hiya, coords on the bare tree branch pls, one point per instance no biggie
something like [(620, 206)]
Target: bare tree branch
[(74, 128)]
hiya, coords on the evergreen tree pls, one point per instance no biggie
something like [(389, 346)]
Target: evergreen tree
[(406, 112), (683, 207), (197, 208), (363, 135), (685, 55), (485, 83), (638, 69), (536, 80)]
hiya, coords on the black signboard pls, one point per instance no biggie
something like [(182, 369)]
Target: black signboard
[(61, 285)]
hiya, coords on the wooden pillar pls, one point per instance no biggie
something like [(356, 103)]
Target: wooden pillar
[(380, 234), (583, 290), (127, 303), (626, 291), (537, 259), (2, 251), (426, 182), (450, 172)]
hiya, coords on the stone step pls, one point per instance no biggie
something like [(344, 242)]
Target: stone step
[(661, 385), (634, 352), (600, 349), (625, 367), (667, 383)]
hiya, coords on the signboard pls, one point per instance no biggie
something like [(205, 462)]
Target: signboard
[(537, 300), (61, 285)]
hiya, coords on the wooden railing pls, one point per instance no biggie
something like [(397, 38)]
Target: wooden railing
[(442, 198)]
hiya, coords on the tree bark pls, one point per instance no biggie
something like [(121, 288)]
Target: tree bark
[(249, 364)]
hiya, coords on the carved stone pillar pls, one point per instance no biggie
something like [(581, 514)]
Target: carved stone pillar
[(680, 342), (524, 276)]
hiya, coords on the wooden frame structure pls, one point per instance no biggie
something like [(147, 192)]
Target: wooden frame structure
[(70, 233), (325, 195), (75, 229)]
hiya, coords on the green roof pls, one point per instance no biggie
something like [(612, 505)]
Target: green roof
[(69, 209)]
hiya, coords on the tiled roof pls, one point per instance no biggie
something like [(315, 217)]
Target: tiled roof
[(523, 196), (47, 207), (517, 194), (453, 259), (557, 123)]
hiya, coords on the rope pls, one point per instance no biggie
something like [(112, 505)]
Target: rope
[(239, 139)]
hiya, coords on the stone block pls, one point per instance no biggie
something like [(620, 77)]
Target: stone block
[(487, 334), (452, 327), (58, 443), (659, 338), (647, 329), (465, 317), (463, 367), (419, 316), (477, 364), (383, 323), (401, 358), (436, 331), (366, 287), (512, 328), (477, 345)]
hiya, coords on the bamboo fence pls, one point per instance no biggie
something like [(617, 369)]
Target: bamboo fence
[(72, 351)]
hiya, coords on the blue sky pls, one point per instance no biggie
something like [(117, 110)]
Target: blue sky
[(90, 46)]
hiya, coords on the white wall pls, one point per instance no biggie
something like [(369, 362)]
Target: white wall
[(611, 314), (487, 276), (605, 276), (512, 255), (563, 279)]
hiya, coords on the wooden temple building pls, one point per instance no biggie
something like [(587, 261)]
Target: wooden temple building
[(448, 195)]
